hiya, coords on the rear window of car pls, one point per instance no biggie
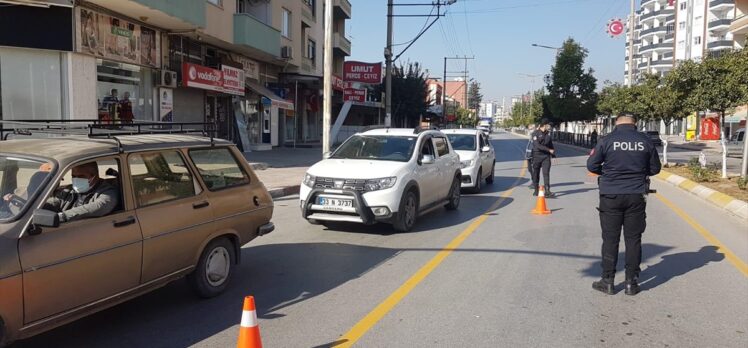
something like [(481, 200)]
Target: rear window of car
[(465, 142), (159, 177), (218, 168)]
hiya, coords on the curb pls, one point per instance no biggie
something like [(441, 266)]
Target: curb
[(728, 203), (719, 199), (284, 191)]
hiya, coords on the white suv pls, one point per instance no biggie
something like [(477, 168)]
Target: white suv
[(477, 156), (383, 175)]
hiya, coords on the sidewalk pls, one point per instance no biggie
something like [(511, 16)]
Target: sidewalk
[(706, 146), (282, 169)]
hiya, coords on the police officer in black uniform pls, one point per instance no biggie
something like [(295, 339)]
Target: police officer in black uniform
[(624, 159), (542, 151)]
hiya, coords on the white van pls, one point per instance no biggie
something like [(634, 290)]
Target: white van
[(736, 143)]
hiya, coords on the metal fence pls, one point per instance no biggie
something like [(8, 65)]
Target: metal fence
[(577, 139)]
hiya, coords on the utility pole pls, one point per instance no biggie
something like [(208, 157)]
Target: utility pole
[(327, 80), (388, 69), (444, 92), (632, 28)]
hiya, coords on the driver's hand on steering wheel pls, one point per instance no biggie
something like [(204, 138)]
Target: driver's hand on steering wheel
[(8, 197)]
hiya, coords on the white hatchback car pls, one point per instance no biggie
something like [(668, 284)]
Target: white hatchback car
[(383, 175), (477, 157)]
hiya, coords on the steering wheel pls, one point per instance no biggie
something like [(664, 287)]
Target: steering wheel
[(15, 201)]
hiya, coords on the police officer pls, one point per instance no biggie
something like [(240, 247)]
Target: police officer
[(624, 159), (528, 157), (542, 151)]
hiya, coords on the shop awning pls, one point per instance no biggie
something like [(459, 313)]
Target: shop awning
[(739, 115), (275, 100)]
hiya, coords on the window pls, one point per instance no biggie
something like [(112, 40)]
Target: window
[(218, 168), (31, 84), (670, 28), (376, 147), (218, 3), (681, 44), (441, 146), (22, 178), (286, 24), (311, 49), (160, 177), (427, 148), (697, 40), (682, 25), (683, 5), (698, 18)]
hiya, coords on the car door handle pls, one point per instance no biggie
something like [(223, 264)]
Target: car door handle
[(200, 205), (129, 221)]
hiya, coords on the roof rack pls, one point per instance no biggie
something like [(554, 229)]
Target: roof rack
[(420, 129), (97, 129), (378, 126)]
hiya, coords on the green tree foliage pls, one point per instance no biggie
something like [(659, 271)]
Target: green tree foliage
[(465, 118), (571, 89), (661, 99), (616, 99), (409, 94), (474, 96), (530, 111)]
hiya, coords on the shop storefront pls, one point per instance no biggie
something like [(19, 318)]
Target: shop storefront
[(127, 56), (266, 117)]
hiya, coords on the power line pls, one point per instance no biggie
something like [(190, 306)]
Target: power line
[(499, 9)]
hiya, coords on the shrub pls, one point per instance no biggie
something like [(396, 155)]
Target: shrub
[(702, 174), (743, 183)]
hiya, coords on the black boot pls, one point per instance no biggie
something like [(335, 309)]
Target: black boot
[(632, 286), (548, 193), (604, 285), (535, 192)]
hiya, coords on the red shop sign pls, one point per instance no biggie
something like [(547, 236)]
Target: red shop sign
[(353, 94), (202, 77), (362, 72)]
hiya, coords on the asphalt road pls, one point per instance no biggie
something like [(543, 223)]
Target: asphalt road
[(488, 275)]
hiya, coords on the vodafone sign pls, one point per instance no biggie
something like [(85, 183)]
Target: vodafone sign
[(227, 80), (362, 72)]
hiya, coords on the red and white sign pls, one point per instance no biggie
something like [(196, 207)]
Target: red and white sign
[(355, 95), (615, 27), (227, 80), (337, 83), (362, 72)]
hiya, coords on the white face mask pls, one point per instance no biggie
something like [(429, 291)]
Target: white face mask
[(81, 185)]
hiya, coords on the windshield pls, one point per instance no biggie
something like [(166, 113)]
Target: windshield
[(377, 147), (20, 179), (464, 142)]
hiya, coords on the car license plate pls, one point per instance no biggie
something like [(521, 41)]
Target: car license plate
[(334, 202)]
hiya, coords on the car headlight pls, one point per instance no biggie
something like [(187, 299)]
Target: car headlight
[(380, 184), (467, 163), (309, 180)]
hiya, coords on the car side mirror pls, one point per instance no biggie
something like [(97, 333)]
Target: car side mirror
[(486, 148), (45, 218), (326, 155), (427, 159)]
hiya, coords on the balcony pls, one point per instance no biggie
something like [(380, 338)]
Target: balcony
[(657, 14), (256, 35), (660, 29), (720, 24), (660, 63), (636, 42), (739, 25), (341, 45), (720, 45), (166, 14), (342, 8), (721, 5), (663, 46)]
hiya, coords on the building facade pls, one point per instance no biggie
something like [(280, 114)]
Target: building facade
[(739, 25), (253, 69)]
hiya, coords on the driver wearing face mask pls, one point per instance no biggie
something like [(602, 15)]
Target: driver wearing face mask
[(91, 196)]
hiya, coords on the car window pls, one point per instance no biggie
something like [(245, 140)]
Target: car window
[(20, 180), (441, 146), (376, 147), (427, 148), (218, 168), (160, 177), (462, 142)]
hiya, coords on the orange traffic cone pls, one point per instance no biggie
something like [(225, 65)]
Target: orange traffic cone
[(591, 174), (540, 207), (249, 329)]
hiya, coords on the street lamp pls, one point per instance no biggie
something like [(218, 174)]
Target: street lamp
[(558, 49)]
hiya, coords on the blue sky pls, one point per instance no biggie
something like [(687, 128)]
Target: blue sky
[(499, 33)]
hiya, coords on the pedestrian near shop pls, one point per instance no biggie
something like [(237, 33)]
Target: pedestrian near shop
[(542, 152), (624, 159)]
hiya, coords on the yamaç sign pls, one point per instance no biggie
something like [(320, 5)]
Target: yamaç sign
[(354, 71)]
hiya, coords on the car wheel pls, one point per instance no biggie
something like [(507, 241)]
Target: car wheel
[(489, 179), (408, 212), (214, 269), (478, 181), (454, 195)]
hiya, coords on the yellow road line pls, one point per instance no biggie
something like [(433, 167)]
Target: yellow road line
[(371, 319), (734, 259)]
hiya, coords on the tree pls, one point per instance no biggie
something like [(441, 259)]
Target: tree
[(529, 110), (465, 118), (571, 89), (661, 99), (409, 94), (474, 96)]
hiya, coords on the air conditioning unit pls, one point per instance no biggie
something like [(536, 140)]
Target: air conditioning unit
[(168, 79), (286, 52)]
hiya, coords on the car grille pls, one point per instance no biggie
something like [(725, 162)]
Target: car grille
[(344, 184)]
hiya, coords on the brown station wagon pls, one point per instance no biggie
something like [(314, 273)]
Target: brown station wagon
[(176, 205)]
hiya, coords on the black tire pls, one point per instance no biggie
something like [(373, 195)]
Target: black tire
[(454, 195), (210, 285), (478, 181), (489, 179), (407, 213)]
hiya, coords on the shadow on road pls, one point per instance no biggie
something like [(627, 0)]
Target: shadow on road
[(676, 265), (571, 192), (649, 251)]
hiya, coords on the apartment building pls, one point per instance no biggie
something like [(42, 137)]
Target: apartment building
[(739, 25), (252, 68), (703, 28), (653, 39)]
